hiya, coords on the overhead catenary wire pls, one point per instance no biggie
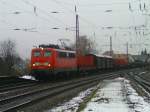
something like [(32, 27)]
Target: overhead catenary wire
[(16, 28), (87, 21), (93, 25), (43, 11), (83, 19), (72, 11), (29, 30), (21, 10), (100, 4)]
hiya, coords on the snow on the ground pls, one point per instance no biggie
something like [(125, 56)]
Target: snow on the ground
[(135, 101), (110, 98), (116, 95), (73, 104), (28, 77)]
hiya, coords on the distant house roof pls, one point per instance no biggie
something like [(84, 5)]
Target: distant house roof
[(99, 55), (142, 58), (107, 53)]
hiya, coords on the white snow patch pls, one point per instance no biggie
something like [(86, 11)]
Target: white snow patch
[(117, 96), (28, 77), (74, 103), (136, 102), (110, 98)]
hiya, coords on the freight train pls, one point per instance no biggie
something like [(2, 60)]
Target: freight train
[(49, 61)]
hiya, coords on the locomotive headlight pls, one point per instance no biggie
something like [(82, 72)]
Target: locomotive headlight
[(47, 64), (36, 64)]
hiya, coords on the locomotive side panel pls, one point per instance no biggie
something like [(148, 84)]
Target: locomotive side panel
[(86, 63), (65, 61)]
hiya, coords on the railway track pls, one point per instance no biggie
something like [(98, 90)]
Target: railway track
[(9, 84), (7, 80), (142, 74), (13, 102), (140, 81), (5, 89)]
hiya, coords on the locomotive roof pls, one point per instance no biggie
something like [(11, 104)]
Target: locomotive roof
[(63, 50), (59, 50)]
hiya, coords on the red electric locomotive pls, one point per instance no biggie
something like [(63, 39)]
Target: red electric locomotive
[(49, 61)]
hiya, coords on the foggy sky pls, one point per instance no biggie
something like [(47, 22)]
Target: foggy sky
[(36, 20)]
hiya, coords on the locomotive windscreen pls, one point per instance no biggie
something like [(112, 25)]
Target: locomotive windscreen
[(36, 53), (47, 53)]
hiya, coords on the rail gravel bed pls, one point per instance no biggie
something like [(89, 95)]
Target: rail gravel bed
[(13, 102), (141, 82)]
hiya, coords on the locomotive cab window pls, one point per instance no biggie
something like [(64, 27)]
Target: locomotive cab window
[(36, 53), (72, 55), (62, 54), (47, 53)]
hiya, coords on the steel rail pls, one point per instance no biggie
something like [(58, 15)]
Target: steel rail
[(143, 83), (20, 100), (14, 87)]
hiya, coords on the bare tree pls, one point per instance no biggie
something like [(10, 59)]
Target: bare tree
[(86, 45), (8, 54)]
